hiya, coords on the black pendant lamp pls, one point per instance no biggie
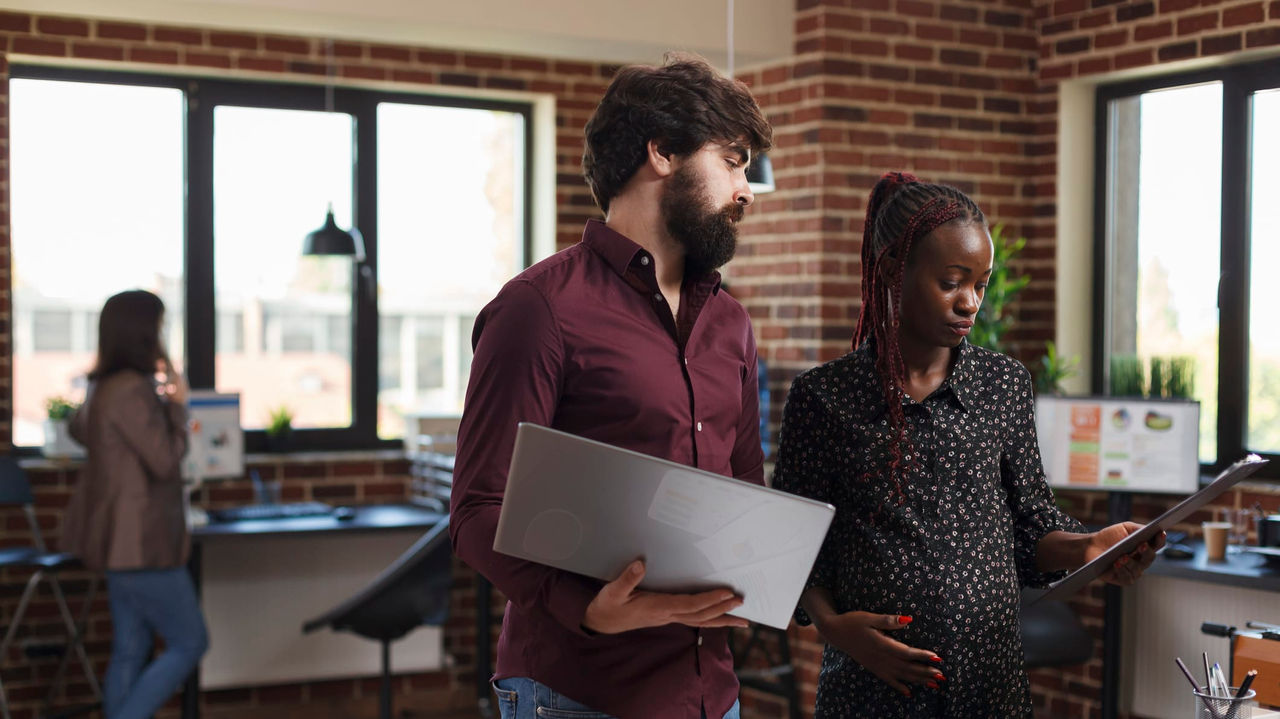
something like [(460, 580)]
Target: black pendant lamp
[(331, 239), (760, 171)]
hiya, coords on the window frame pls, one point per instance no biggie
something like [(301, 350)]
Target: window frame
[(1239, 82), (202, 95)]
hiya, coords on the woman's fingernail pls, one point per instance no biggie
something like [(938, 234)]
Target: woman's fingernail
[(935, 659), (939, 677), (904, 619), (932, 685)]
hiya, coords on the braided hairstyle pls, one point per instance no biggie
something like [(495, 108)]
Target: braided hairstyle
[(901, 211)]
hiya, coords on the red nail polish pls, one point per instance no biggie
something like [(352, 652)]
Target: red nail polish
[(904, 619), (939, 677), (932, 685), (936, 660)]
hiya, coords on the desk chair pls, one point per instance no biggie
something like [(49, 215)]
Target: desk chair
[(15, 491), (1052, 634), (413, 591)]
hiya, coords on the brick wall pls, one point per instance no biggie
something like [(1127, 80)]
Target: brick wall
[(963, 92)]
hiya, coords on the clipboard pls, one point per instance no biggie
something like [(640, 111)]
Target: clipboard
[(1079, 578)]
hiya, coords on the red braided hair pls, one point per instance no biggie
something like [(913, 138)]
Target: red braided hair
[(900, 212)]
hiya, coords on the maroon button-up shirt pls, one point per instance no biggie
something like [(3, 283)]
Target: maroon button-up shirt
[(584, 342)]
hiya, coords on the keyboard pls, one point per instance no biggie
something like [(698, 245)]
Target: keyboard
[(288, 510)]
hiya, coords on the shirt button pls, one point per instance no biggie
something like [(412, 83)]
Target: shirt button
[(644, 260), (699, 426), (686, 361), (699, 640), (657, 297)]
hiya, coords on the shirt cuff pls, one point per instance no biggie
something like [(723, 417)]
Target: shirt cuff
[(572, 595), (1030, 535)]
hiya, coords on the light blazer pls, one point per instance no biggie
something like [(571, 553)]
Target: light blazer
[(127, 511)]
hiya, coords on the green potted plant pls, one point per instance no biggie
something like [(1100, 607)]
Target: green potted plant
[(279, 429), (1127, 376), (993, 318), (57, 430), (1053, 369)]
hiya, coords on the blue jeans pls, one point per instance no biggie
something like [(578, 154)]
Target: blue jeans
[(146, 603), (520, 698)]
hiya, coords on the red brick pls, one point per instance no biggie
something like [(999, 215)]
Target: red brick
[(233, 40), (345, 50), (915, 8), (1069, 7), (38, 46), (97, 51), (931, 31), (524, 64), (871, 48), (15, 22), (1262, 37), (984, 38), (62, 26), (1274, 10), (968, 58), (261, 64), (1133, 58), (436, 57), (291, 45), (1197, 23), (208, 59), (1114, 38), (883, 26), (1000, 61), (957, 13), (1243, 15), (181, 35), (414, 76), (958, 102), (363, 72), (1101, 18), (907, 51), (1221, 44), (1093, 66), (390, 52), (1073, 45), (1153, 31)]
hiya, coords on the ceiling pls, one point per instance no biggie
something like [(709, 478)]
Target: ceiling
[(602, 30)]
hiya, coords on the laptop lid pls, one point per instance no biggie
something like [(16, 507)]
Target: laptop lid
[(591, 508)]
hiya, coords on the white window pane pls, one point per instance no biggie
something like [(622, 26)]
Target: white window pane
[(97, 176), (450, 234), (1164, 223), (1263, 432), (275, 172)]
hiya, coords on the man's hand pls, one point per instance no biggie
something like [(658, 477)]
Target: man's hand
[(620, 607), (862, 636), (1128, 568)]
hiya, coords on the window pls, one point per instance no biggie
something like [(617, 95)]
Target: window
[(1189, 240), (96, 201), (209, 187)]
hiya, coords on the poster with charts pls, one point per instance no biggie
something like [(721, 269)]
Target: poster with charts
[(216, 446), (1120, 444)]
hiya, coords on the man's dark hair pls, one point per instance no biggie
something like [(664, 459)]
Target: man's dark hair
[(683, 105)]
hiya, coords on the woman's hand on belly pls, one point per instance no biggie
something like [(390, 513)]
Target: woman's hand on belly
[(864, 636)]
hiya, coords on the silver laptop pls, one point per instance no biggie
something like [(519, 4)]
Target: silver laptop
[(592, 508)]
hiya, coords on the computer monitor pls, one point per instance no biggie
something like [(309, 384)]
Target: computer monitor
[(216, 446), (1125, 444)]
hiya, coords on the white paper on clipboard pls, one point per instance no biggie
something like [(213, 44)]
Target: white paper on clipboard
[(1078, 579)]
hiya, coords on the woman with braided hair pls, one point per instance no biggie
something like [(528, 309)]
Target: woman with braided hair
[(926, 446)]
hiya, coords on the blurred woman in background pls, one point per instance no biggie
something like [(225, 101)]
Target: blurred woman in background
[(127, 515)]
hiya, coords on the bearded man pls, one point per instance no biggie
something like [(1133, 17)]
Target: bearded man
[(624, 338)]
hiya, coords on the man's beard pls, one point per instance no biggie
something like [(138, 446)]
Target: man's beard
[(709, 237)]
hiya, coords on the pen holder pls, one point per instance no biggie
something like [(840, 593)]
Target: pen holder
[(1211, 707)]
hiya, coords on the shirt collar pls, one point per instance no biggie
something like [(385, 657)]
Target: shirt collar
[(959, 384), (623, 255)]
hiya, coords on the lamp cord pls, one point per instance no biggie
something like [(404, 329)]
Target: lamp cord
[(729, 45)]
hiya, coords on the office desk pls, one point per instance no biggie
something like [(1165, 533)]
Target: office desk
[(367, 519)]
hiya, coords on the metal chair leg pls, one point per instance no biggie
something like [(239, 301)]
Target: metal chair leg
[(75, 642), (13, 632)]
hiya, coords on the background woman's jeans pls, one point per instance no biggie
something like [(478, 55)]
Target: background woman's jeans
[(519, 698), (145, 603)]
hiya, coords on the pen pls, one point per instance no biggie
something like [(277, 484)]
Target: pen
[(1195, 687), (1241, 693), (1217, 680), (1208, 678)]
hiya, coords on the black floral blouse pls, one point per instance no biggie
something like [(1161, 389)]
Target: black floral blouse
[(952, 552)]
